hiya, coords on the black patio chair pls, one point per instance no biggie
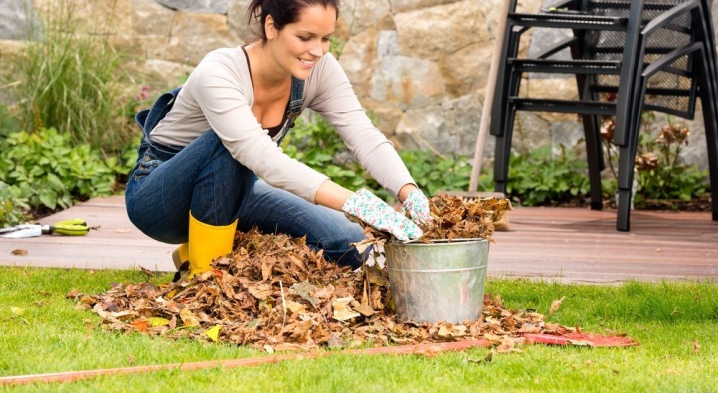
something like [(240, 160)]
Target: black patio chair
[(690, 64), (610, 49)]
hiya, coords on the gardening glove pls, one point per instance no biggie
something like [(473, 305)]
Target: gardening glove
[(368, 208), (417, 206)]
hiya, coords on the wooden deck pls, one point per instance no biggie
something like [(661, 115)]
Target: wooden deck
[(563, 244)]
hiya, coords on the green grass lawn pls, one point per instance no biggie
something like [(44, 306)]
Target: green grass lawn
[(675, 323)]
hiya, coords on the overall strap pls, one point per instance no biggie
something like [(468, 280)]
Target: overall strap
[(296, 100), (147, 119)]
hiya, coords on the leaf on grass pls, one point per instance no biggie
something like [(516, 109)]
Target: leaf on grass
[(555, 305), (17, 310), (213, 332), (509, 344), (696, 346)]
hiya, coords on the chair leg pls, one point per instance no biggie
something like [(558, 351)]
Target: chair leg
[(624, 197), (626, 164), (502, 154), (710, 110), (594, 157)]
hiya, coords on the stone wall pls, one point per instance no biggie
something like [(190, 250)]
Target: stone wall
[(419, 66)]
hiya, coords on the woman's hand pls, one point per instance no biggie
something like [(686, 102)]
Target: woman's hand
[(368, 208), (417, 206)]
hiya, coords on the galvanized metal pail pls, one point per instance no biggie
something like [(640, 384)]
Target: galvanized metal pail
[(438, 281)]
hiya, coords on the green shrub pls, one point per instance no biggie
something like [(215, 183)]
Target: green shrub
[(662, 178), (661, 173), (12, 209), (317, 144), (8, 123), (435, 173), (72, 82), (46, 170), (545, 177)]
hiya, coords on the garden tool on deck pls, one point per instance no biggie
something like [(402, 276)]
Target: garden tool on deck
[(73, 227)]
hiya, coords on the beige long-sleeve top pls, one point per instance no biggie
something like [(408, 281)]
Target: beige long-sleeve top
[(218, 95)]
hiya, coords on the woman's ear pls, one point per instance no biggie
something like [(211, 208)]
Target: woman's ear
[(269, 29)]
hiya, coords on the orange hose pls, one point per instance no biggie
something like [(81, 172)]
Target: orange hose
[(72, 376)]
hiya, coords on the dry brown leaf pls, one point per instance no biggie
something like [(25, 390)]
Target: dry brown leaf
[(342, 311), (555, 305)]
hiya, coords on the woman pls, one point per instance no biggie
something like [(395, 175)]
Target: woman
[(205, 146)]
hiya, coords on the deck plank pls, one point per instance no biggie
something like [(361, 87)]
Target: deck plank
[(562, 244)]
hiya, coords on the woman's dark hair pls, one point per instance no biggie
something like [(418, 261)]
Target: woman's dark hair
[(283, 12)]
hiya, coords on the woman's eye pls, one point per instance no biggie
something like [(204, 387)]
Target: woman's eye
[(305, 38)]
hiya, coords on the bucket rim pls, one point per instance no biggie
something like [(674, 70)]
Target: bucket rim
[(438, 241)]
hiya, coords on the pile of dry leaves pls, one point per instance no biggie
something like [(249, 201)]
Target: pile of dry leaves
[(276, 293)]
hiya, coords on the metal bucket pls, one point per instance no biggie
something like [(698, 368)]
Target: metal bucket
[(438, 281)]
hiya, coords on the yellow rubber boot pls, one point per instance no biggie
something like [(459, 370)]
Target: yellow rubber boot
[(208, 242), (180, 255)]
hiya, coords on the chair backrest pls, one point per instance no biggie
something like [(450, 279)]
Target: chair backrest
[(672, 91)]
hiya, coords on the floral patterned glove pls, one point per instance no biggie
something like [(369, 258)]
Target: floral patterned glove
[(368, 208), (418, 207)]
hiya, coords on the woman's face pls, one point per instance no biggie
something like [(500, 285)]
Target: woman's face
[(299, 45)]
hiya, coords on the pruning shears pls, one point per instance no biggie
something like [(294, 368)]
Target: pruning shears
[(74, 227)]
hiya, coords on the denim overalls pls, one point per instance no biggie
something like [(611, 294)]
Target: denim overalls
[(168, 182)]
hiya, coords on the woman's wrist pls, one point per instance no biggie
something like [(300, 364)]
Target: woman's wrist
[(405, 191)]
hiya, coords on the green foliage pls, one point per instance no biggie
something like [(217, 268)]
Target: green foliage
[(662, 177), (8, 124), (12, 207), (545, 177), (71, 81), (336, 46), (46, 170), (661, 174), (435, 173), (317, 144)]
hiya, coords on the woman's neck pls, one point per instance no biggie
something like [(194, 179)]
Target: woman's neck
[(266, 74)]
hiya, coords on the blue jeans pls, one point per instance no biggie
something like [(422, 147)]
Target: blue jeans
[(168, 182)]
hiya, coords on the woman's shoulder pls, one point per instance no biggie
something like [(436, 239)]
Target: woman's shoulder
[(223, 63), (229, 57)]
